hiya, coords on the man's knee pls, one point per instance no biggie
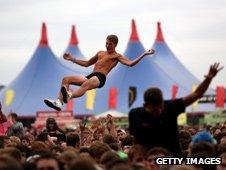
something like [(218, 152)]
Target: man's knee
[(65, 80)]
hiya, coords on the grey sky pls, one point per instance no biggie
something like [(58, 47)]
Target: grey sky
[(195, 30)]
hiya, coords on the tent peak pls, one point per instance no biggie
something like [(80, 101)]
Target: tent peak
[(44, 40), (159, 36), (134, 34), (74, 39)]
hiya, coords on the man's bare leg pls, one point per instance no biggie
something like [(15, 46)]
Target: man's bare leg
[(89, 84), (74, 80)]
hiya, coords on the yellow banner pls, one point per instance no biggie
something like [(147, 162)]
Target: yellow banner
[(182, 119), (90, 97), (9, 96)]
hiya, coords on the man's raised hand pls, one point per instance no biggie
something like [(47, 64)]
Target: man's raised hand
[(214, 69), (149, 52), (68, 56)]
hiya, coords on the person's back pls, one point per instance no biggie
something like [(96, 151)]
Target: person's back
[(156, 123), (17, 128), (143, 127), (157, 130)]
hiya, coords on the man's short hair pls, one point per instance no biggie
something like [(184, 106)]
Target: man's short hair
[(113, 38), (153, 96), (72, 139), (14, 116)]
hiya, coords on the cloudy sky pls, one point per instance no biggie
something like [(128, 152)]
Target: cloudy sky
[(195, 30)]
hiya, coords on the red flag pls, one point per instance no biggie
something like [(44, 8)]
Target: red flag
[(174, 91), (112, 100), (220, 96), (70, 105)]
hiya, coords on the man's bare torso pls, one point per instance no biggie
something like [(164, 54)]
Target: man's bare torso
[(105, 62)]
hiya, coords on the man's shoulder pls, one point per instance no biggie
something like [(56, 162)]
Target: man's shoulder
[(173, 101), (115, 55), (101, 52), (118, 55), (137, 110), (18, 124), (175, 105)]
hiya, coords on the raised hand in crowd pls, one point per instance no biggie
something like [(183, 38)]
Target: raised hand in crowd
[(203, 86), (214, 69), (110, 125)]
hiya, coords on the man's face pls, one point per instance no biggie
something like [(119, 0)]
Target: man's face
[(25, 142), (110, 46), (223, 140), (151, 160), (121, 135), (223, 164), (10, 119), (51, 125), (6, 142), (47, 164)]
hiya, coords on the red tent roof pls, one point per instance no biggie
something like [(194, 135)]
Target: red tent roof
[(159, 36), (74, 39), (44, 40), (134, 35)]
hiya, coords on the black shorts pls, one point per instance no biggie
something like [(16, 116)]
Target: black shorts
[(100, 76)]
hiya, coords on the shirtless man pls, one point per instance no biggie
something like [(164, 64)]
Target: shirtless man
[(104, 62)]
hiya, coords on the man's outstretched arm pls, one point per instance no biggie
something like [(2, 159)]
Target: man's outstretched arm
[(69, 57), (201, 89), (130, 63)]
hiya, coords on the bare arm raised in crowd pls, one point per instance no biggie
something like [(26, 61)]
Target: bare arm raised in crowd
[(110, 125), (201, 89)]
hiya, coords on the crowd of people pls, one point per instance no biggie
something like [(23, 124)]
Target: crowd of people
[(102, 145)]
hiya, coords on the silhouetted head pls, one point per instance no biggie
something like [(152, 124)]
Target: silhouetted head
[(51, 124), (12, 117), (153, 100)]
